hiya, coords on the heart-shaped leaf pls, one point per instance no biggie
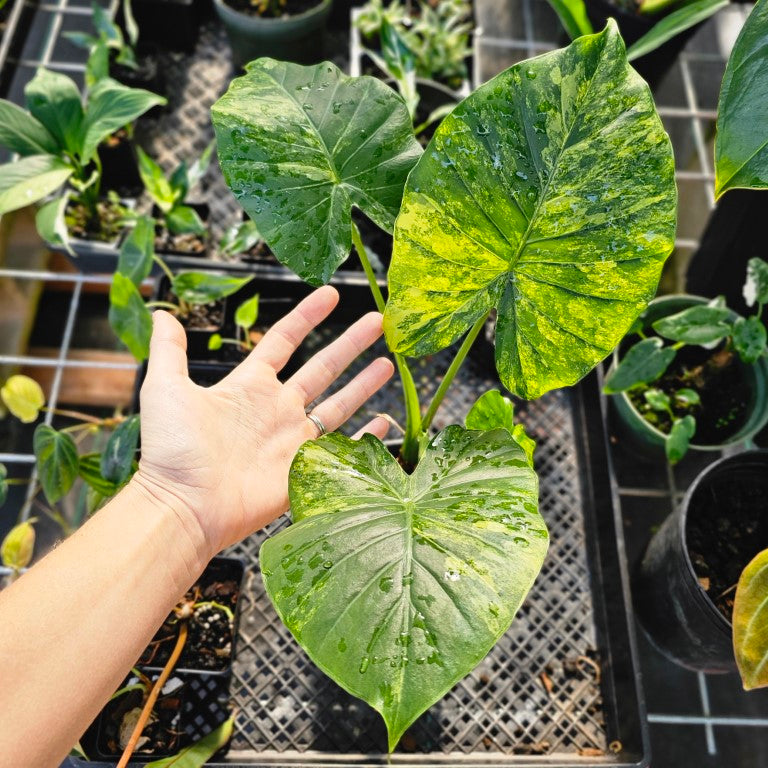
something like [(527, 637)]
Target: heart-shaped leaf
[(397, 585), (18, 546), (57, 462), (741, 143), (494, 411), (247, 313), (23, 396), (299, 146), (118, 457), (549, 193), (749, 338), (750, 623), (642, 364)]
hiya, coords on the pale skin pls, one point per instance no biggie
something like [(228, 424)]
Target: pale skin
[(214, 469)]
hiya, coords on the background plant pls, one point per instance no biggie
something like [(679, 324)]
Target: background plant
[(536, 196)]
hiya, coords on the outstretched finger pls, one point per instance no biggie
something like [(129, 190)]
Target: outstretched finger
[(284, 337), (377, 427), (167, 347)]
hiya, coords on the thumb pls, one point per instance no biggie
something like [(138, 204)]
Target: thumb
[(168, 346)]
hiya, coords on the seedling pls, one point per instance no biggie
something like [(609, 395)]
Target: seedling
[(246, 316), (708, 326), (238, 239), (549, 195)]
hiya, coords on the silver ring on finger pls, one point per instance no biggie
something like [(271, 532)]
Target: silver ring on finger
[(321, 430)]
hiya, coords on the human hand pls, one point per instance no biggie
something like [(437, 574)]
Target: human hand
[(221, 455)]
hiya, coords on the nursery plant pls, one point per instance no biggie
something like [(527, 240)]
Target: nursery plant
[(669, 402), (129, 316), (246, 316), (57, 138), (549, 195)]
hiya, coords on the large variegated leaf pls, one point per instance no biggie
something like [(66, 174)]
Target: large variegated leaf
[(299, 146), (397, 585), (750, 623), (548, 193), (741, 146)]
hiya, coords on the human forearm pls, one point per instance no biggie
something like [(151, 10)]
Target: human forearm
[(60, 656)]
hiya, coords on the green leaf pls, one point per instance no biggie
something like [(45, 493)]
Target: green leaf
[(118, 457), (107, 29), (400, 63), (673, 24), (548, 193), (494, 411), (54, 100), (239, 238), (397, 585), (131, 27), (679, 438), (129, 317), (687, 397), (573, 17), (749, 339), (741, 142), (750, 623), (30, 179), (195, 755), (300, 146), (643, 363), (183, 219), (111, 106), (57, 462), (138, 250), (215, 342), (22, 133), (3, 484), (51, 224), (18, 546), (199, 168), (89, 469), (756, 286), (157, 186), (657, 399), (23, 397), (247, 313), (205, 287), (696, 325), (97, 66)]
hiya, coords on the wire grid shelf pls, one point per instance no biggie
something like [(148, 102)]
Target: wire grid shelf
[(287, 710)]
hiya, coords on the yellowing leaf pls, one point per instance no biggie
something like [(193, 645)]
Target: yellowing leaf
[(18, 546), (750, 623), (23, 397)]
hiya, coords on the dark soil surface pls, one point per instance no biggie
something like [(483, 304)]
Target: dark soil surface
[(105, 229), (201, 317), (286, 8), (718, 377), (211, 631), (187, 243), (727, 526), (160, 737)]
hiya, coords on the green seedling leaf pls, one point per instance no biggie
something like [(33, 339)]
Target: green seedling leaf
[(573, 17), (131, 27), (696, 325), (741, 142), (399, 62), (97, 66), (239, 238), (51, 224), (657, 399), (549, 194), (117, 460), (749, 339), (129, 317), (494, 411), (54, 100), (397, 585), (108, 31), (182, 219), (203, 287), (23, 397), (18, 546), (111, 106), (756, 287), (215, 342), (247, 313), (157, 186), (3, 484), (197, 754), (643, 363), (89, 469), (673, 24), (57, 462), (179, 181), (300, 146), (22, 133), (199, 168), (750, 623), (30, 179), (138, 250), (687, 397), (679, 438)]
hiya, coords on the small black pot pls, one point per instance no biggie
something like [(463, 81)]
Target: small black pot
[(170, 24), (673, 608), (654, 65), (148, 74), (204, 212), (120, 170)]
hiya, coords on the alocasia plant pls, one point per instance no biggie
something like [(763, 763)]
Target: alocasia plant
[(549, 194)]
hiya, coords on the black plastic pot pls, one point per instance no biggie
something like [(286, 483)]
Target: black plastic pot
[(673, 607), (170, 24), (119, 167), (654, 65), (204, 212), (148, 74)]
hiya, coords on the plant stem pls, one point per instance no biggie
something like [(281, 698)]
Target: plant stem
[(410, 450), (74, 415), (163, 266), (450, 374), (152, 698), (162, 305)]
